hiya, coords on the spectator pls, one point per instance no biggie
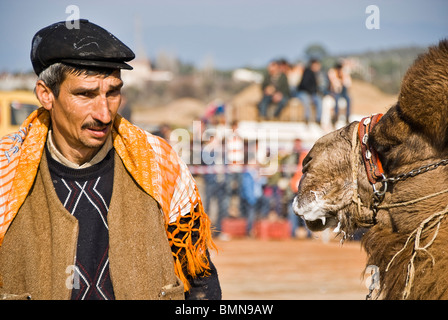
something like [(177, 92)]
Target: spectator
[(294, 76), (275, 89), (252, 198), (297, 156), (308, 90), (214, 179), (234, 157), (340, 82)]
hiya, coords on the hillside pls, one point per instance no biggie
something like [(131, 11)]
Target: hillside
[(366, 99), (179, 113)]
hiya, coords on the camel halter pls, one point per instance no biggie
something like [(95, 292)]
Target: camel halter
[(374, 168), (372, 164)]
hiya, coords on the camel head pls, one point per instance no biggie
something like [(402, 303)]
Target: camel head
[(332, 175)]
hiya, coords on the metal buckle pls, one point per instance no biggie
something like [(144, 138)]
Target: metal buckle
[(381, 192)]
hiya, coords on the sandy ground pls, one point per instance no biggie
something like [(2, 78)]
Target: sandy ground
[(252, 269)]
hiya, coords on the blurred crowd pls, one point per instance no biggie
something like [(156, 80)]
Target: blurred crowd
[(232, 180), (239, 188), (230, 171), (309, 84)]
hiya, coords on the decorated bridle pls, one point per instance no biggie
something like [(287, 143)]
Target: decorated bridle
[(374, 167), (372, 162)]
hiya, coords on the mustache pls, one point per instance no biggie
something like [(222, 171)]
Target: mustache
[(96, 124)]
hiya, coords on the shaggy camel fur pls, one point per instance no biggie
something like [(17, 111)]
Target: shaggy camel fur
[(408, 234)]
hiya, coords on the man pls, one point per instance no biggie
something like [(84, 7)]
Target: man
[(308, 90), (92, 207), (275, 90), (339, 84)]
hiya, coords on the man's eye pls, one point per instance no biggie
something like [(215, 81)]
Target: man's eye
[(306, 164), (84, 94), (114, 93)]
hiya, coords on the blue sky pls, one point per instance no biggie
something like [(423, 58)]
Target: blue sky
[(231, 33)]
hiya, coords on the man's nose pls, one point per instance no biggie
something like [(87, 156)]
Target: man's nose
[(101, 110)]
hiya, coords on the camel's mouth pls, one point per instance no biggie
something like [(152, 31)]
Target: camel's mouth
[(315, 213)]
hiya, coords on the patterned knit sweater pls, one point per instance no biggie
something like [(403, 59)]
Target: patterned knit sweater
[(86, 194)]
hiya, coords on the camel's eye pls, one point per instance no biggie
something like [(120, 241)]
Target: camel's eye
[(306, 163)]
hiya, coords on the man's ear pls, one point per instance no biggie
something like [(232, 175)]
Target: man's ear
[(44, 95)]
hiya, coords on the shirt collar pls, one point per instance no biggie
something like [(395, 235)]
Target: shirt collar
[(57, 155)]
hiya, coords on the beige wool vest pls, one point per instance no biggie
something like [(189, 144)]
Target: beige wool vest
[(38, 252)]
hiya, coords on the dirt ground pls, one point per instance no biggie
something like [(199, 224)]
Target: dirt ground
[(294, 269)]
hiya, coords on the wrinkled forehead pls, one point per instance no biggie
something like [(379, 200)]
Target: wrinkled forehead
[(93, 80), (102, 73)]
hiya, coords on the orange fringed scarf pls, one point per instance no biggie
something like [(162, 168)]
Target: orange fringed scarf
[(152, 163)]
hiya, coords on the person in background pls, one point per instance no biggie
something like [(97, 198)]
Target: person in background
[(294, 76), (339, 84), (275, 89), (215, 180), (296, 159), (252, 197), (308, 90)]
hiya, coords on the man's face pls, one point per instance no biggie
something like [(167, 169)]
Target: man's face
[(315, 66), (83, 113)]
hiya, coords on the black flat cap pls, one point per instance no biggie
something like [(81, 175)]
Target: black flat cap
[(86, 46)]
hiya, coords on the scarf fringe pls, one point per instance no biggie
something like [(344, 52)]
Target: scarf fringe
[(190, 255)]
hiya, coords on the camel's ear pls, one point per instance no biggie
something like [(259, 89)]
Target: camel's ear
[(423, 99)]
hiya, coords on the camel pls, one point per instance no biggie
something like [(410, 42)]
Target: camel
[(389, 174)]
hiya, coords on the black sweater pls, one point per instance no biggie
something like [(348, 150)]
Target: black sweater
[(86, 194), (308, 82)]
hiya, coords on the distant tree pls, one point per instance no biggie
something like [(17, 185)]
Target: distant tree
[(316, 51)]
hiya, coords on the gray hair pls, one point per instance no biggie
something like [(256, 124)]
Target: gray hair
[(55, 74)]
